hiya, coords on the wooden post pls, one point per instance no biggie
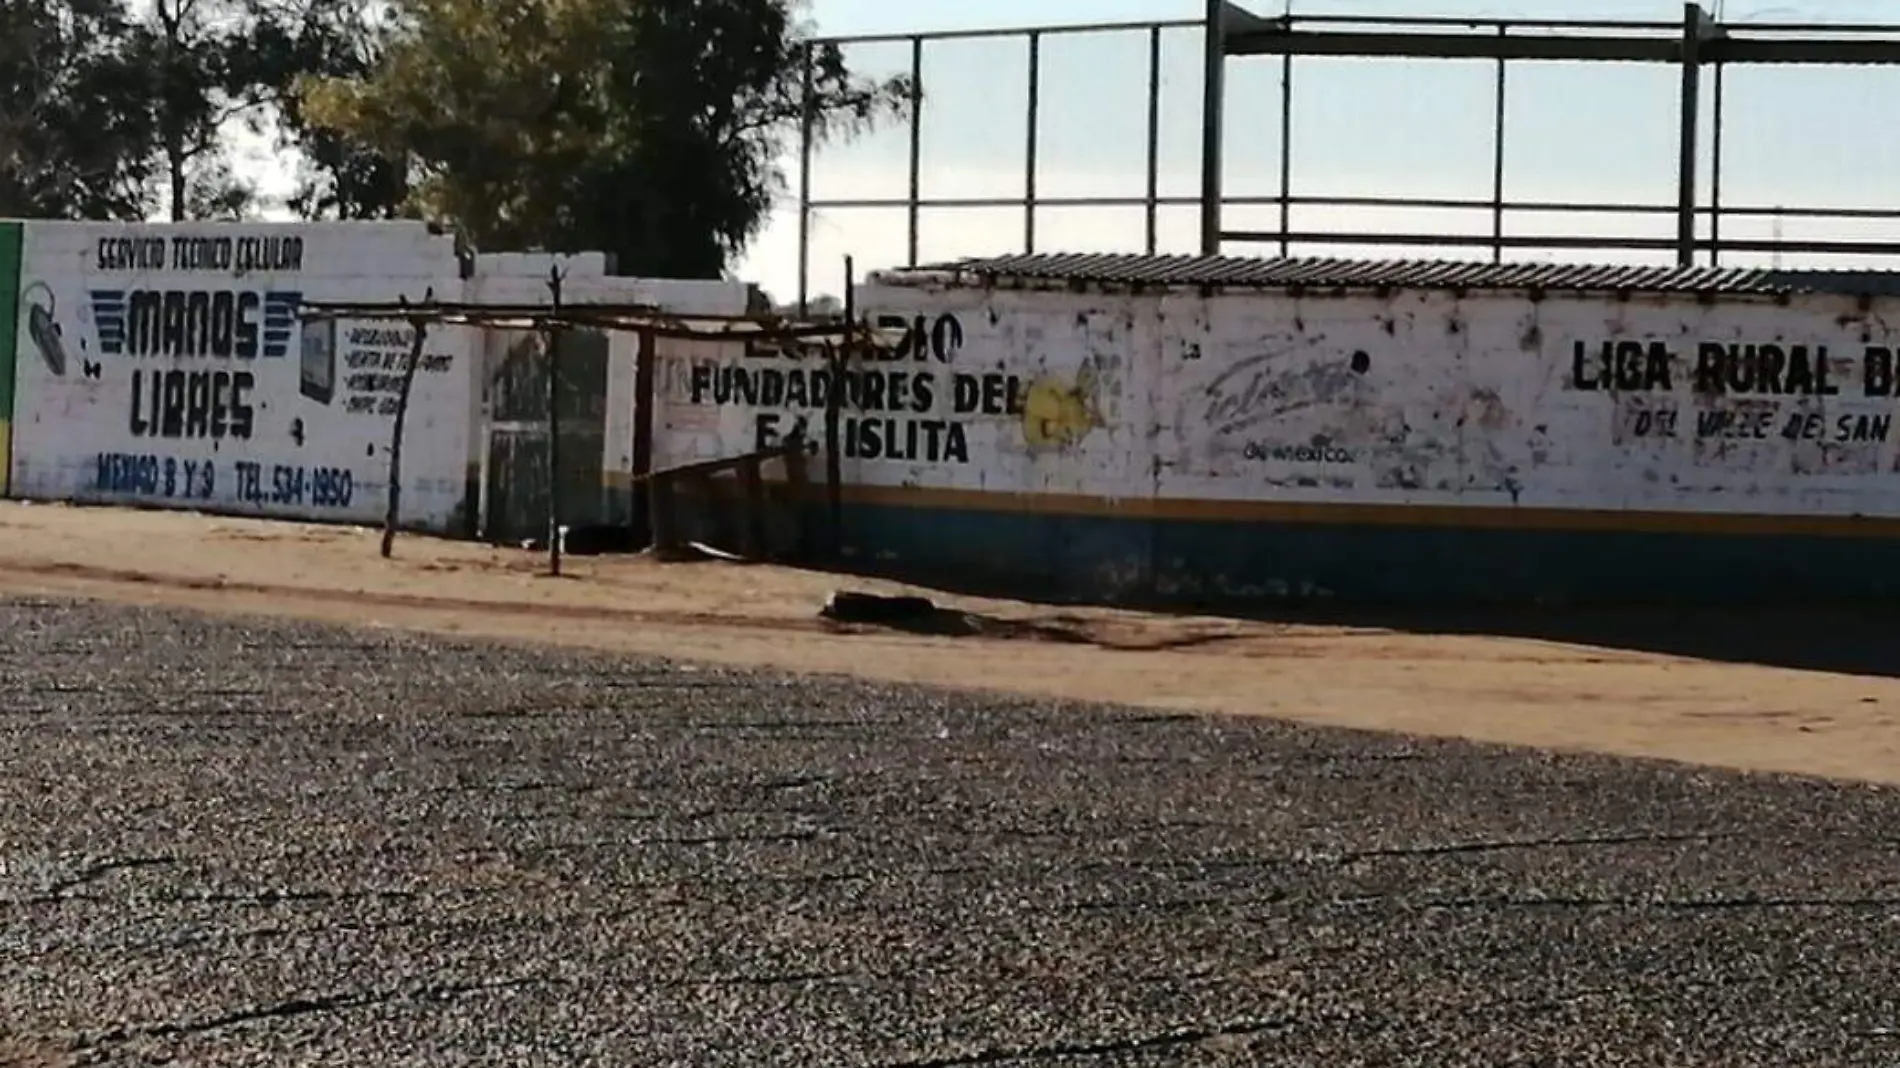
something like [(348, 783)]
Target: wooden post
[(419, 331), (834, 402), (752, 507), (663, 519), (798, 485), (554, 422), (643, 403)]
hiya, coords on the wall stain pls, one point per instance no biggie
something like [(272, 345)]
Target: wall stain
[(1059, 413)]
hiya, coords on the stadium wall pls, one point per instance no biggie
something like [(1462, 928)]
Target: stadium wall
[(1196, 444)]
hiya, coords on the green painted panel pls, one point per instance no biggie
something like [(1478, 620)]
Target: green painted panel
[(1213, 565), (12, 237)]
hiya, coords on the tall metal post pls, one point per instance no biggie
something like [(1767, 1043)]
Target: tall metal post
[(1152, 204), (1497, 156), (1286, 154), (807, 120), (1213, 119), (1715, 172), (1029, 147), (1690, 144), (916, 147)]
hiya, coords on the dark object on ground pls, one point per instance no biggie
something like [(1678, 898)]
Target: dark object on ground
[(848, 606), (598, 539), (921, 615)]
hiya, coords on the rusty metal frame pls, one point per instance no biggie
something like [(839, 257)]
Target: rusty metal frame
[(1694, 45), (648, 322), (644, 319)]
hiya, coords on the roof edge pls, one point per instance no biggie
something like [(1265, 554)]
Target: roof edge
[(1139, 272)]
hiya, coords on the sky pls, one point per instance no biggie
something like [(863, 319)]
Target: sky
[(1587, 132)]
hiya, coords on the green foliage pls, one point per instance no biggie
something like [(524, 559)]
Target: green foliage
[(76, 135), (200, 84), (108, 110), (291, 41), (650, 128)]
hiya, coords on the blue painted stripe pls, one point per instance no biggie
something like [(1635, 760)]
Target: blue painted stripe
[(1199, 562)]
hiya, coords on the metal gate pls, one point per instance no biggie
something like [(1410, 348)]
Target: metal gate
[(515, 480)]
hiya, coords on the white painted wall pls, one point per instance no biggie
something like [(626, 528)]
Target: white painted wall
[(679, 296), (252, 414), (537, 264), (1002, 394), (1428, 399), (309, 447), (1419, 398)]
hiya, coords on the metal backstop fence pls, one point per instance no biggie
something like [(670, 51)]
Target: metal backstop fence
[(1696, 225)]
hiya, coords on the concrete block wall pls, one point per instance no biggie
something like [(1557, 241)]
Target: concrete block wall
[(166, 365), (1409, 444)]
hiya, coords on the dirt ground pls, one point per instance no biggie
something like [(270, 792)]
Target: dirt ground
[(1811, 695)]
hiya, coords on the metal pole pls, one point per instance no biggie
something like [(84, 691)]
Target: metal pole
[(807, 119), (1152, 204), (916, 142), (1029, 159), (554, 423), (1715, 173), (1286, 153), (1213, 117), (1497, 161), (1691, 142)]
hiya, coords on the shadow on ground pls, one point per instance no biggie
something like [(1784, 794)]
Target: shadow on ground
[(1856, 640), (1846, 641)]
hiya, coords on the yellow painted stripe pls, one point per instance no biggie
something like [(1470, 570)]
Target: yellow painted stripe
[(1468, 517)]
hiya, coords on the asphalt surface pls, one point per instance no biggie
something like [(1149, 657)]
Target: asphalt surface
[(260, 843)]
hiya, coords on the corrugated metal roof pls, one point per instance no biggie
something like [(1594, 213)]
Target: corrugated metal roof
[(1318, 273)]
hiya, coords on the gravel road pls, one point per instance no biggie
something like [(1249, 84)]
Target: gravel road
[(260, 843)]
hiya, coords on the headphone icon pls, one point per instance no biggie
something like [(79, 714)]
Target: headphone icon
[(43, 327)]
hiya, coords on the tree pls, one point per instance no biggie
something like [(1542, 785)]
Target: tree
[(114, 108), (648, 128), (203, 80), (77, 136), (294, 42)]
